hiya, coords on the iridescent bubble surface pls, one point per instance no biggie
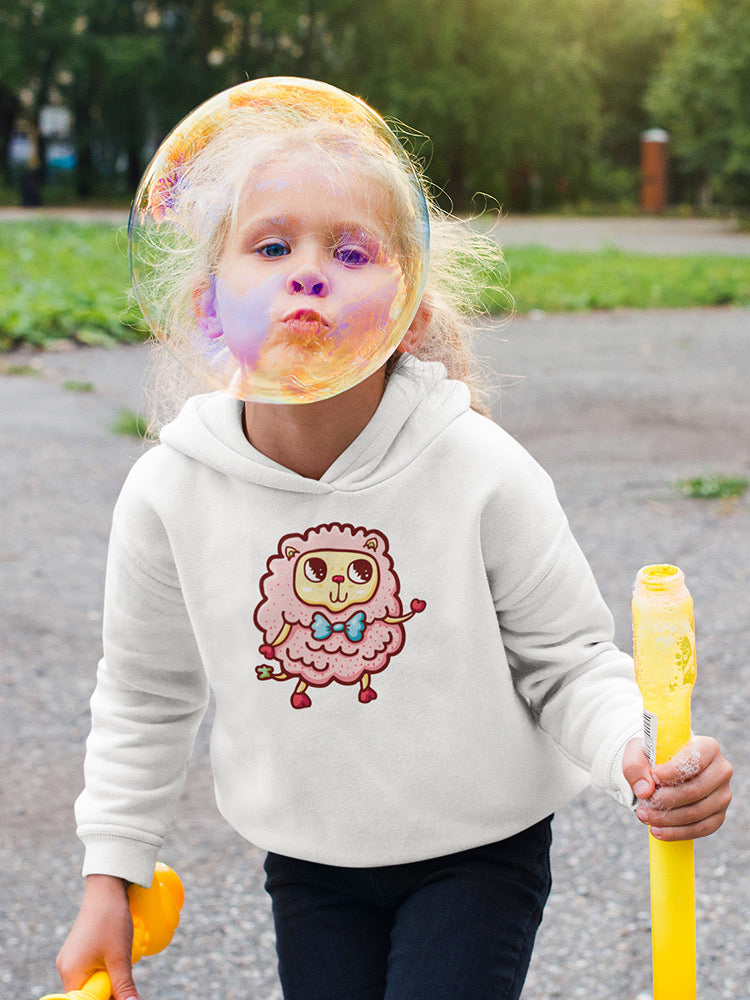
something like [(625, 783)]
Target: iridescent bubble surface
[(279, 240)]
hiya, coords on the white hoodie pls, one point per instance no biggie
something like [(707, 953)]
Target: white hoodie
[(431, 564)]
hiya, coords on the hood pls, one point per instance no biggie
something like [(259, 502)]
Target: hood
[(419, 402)]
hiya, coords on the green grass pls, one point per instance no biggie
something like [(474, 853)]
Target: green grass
[(130, 424), (67, 280), (554, 281), (713, 487), (71, 385), (62, 280), (19, 370)]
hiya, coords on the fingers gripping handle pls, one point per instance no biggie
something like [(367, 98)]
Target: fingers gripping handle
[(156, 914), (97, 987)]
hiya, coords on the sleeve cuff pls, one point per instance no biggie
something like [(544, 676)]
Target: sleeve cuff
[(124, 857)]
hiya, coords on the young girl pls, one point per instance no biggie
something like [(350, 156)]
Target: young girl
[(411, 663)]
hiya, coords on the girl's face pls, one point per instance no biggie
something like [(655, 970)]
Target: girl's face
[(307, 279)]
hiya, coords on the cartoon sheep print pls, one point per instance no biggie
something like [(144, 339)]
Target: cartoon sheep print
[(331, 610)]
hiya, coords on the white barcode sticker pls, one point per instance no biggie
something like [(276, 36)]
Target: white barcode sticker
[(649, 736)]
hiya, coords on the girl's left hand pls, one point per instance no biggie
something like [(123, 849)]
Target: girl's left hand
[(685, 798)]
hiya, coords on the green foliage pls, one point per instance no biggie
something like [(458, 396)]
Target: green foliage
[(713, 487), (64, 281), (701, 95), (625, 42), (521, 99), (535, 102), (558, 282), (504, 92)]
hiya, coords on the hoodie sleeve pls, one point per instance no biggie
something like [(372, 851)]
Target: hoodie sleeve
[(556, 628), (151, 694)]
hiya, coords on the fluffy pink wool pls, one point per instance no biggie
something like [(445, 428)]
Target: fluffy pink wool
[(320, 661)]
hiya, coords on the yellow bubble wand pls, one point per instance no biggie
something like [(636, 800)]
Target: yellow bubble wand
[(665, 669)]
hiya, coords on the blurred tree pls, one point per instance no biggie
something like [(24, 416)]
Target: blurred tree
[(273, 38), (625, 41), (503, 90), (134, 70), (10, 85), (191, 35), (701, 95), (35, 38), (527, 100), (9, 108), (107, 70)]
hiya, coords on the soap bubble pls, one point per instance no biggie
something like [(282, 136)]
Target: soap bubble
[(278, 241)]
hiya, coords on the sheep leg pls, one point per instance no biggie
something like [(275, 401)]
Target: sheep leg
[(299, 698), (366, 693)]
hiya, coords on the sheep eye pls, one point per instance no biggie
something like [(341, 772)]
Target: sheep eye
[(360, 571), (316, 569)]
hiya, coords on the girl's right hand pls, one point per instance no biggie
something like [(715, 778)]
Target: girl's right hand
[(101, 938)]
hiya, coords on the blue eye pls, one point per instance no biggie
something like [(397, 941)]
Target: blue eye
[(273, 249)]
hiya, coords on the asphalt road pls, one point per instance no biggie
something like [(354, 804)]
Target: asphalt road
[(617, 406)]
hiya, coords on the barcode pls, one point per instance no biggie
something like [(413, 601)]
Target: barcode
[(649, 736)]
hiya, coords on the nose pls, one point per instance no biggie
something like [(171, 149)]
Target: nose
[(337, 579), (307, 278)]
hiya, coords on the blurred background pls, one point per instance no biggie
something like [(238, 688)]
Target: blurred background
[(540, 104)]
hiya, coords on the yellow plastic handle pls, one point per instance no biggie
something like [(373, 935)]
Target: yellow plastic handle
[(156, 914), (97, 987)]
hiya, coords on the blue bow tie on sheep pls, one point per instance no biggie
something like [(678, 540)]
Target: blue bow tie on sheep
[(353, 629)]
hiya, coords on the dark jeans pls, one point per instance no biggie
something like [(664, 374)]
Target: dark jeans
[(460, 927)]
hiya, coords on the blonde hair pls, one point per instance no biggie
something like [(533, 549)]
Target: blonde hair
[(203, 203), (465, 266)]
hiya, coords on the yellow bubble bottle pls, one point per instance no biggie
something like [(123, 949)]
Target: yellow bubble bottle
[(665, 669)]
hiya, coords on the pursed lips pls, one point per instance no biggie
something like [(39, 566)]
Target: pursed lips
[(305, 320)]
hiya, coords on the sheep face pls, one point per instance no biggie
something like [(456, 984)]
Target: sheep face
[(335, 579)]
